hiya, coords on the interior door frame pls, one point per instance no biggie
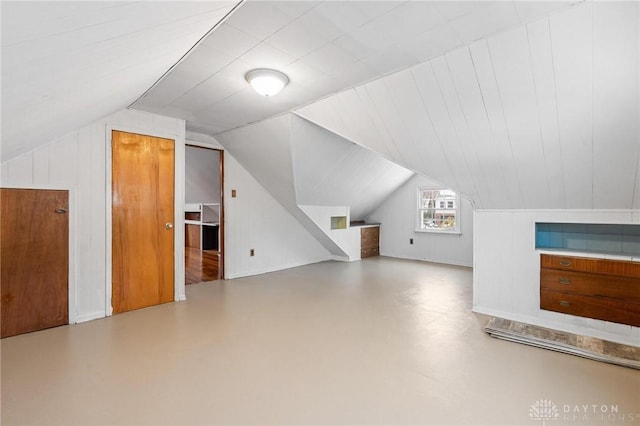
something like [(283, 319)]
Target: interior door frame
[(73, 241), (178, 203), (221, 232)]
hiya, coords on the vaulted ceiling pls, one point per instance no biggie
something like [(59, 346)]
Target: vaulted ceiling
[(541, 116), (514, 104), (324, 47), (66, 64)]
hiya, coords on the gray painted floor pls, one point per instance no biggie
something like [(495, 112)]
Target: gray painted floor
[(381, 341)]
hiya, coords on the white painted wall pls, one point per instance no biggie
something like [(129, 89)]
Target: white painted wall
[(80, 161), (397, 216), (332, 171), (254, 219), (202, 175), (506, 281), (347, 239), (264, 150)]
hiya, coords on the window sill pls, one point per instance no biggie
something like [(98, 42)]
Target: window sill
[(436, 231)]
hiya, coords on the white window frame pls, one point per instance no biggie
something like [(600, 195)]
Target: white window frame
[(418, 210)]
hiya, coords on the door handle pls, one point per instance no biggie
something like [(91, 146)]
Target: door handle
[(169, 225), (60, 210)]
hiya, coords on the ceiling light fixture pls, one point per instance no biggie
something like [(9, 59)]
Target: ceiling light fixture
[(267, 82)]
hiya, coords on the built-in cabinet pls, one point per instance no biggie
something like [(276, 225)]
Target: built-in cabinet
[(603, 289), (369, 241), (202, 225)]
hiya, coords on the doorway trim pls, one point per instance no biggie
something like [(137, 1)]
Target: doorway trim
[(221, 232), (178, 201), (73, 242)]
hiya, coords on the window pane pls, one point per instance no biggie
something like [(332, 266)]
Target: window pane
[(437, 209)]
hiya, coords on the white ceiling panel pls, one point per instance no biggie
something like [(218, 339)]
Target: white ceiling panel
[(330, 59), (518, 105), (543, 77), (263, 18), (571, 38), (231, 41), (267, 56), (66, 64), (512, 69), (331, 171), (431, 43), (529, 11), (541, 116), (488, 19), (345, 16), (616, 125), (504, 162), (298, 40), (450, 10), (330, 46)]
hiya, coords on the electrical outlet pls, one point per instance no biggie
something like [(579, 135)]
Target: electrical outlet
[(252, 252), (410, 240)]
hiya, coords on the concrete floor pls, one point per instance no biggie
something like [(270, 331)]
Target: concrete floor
[(381, 341)]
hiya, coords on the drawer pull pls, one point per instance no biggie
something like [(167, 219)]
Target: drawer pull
[(565, 281), (565, 262), (564, 303)]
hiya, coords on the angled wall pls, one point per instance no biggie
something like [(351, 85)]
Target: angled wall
[(254, 219), (399, 217), (331, 171), (264, 150), (311, 171)]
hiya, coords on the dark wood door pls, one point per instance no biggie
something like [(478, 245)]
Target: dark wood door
[(34, 259), (142, 221)]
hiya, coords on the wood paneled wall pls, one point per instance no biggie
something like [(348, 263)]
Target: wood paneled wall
[(78, 161)]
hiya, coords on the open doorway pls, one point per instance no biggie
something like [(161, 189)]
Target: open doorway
[(204, 214)]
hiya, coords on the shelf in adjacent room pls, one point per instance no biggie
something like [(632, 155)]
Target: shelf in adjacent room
[(202, 225)]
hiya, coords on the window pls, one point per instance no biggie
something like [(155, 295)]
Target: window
[(437, 210)]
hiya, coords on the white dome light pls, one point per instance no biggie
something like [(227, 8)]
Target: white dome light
[(267, 82)]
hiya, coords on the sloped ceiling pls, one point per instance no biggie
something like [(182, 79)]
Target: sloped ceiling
[(542, 116), (68, 63), (264, 150), (331, 171), (324, 47), (299, 163)]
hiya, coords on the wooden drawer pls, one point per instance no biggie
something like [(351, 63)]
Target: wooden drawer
[(369, 252), (612, 286), (369, 241), (596, 266), (370, 232), (602, 308)]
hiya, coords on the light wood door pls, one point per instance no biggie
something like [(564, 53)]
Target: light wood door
[(34, 260), (142, 221)]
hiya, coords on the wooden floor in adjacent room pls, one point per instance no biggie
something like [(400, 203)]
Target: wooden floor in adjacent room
[(200, 265)]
